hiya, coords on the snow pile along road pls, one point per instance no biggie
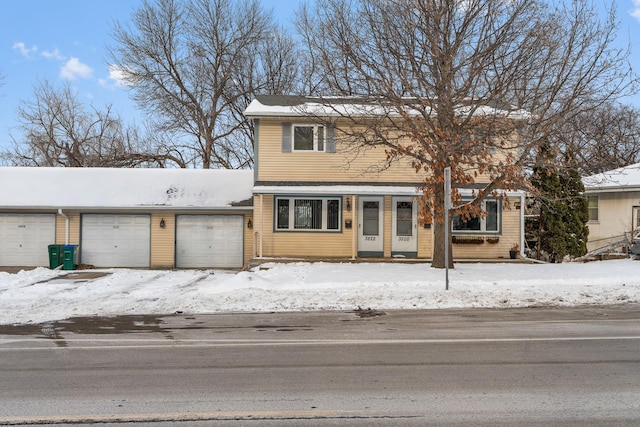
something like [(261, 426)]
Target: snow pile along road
[(40, 295)]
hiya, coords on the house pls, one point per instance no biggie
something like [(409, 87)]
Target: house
[(311, 195), (614, 206), (317, 197), (144, 218)]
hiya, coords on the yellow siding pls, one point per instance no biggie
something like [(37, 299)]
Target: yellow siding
[(299, 244), (387, 226), (274, 165), (162, 240), (510, 236), (74, 228), (248, 237), (342, 166), (425, 241)]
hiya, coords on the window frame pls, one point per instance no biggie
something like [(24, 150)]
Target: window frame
[(316, 139), (595, 208), (291, 214), (483, 220)]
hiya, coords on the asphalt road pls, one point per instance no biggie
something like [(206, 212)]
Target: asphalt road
[(449, 367)]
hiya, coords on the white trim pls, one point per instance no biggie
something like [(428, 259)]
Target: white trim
[(292, 208), (315, 128), (362, 190)]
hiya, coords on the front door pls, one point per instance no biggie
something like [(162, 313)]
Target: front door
[(404, 227), (370, 220)]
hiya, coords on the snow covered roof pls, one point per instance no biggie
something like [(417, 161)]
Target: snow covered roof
[(300, 106), (44, 187), (626, 178)]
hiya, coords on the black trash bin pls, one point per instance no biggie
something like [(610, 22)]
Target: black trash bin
[(55, 256)]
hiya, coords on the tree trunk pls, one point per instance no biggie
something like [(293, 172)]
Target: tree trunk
[(438, 260)]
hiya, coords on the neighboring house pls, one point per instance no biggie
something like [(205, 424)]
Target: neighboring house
[(148, 218), (614, 206), (313, 198)]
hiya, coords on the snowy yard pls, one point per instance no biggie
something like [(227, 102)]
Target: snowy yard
[(41, 295)]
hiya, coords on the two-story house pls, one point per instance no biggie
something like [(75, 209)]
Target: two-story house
[(315, 196)]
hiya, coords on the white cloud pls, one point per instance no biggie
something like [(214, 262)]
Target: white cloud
[(24, 50), (635, 12), (74, 69), (53, 55), (117, 77)]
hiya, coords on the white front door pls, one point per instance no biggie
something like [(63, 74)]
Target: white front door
[(370, 226), (404, 226)]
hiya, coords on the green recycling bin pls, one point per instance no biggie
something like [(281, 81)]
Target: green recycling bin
[(55, 256), (69, 257)]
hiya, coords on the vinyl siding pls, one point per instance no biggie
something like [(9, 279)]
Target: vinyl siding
[(162, 240), (387, 226), (342, 166), (509, 236), (319, 166), (299, 244), (615, 217), (74, 228), (248, 237)]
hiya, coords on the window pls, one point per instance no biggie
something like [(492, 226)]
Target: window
[(404, 218), (593, 207), (308, 138), (298, 214), (488, 224), (370, 218)]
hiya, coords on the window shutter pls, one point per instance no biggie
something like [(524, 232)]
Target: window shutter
[(331, 139), (286, 137)]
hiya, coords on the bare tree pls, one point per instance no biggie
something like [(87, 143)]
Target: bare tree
[(604, 139), (193, 66), (58, 130), (454, 77)]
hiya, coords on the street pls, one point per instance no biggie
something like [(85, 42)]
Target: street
[(538, 366)]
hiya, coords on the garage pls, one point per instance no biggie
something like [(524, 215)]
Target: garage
[(112, 240), (24, 239), (209, 241)]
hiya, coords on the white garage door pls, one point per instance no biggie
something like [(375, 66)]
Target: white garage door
[(24, 239), (208, 241), (116, 240)]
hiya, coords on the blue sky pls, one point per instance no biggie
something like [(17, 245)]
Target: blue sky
[(64, 40)]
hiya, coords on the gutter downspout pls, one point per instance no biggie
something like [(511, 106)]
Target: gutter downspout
[(66, 226), (261, 226)]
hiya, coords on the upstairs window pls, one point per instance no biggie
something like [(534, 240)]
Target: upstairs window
[(488, 224), (308, 138)]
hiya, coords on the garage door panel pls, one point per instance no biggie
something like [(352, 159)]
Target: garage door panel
[(209, 241), (25, 238), (114, 240)]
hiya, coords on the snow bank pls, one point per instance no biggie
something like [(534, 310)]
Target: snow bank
[(42, 295)]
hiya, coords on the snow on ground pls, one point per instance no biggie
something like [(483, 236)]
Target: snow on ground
[(42, 295)]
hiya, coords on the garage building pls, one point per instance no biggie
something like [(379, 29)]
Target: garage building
[(135, 218)]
